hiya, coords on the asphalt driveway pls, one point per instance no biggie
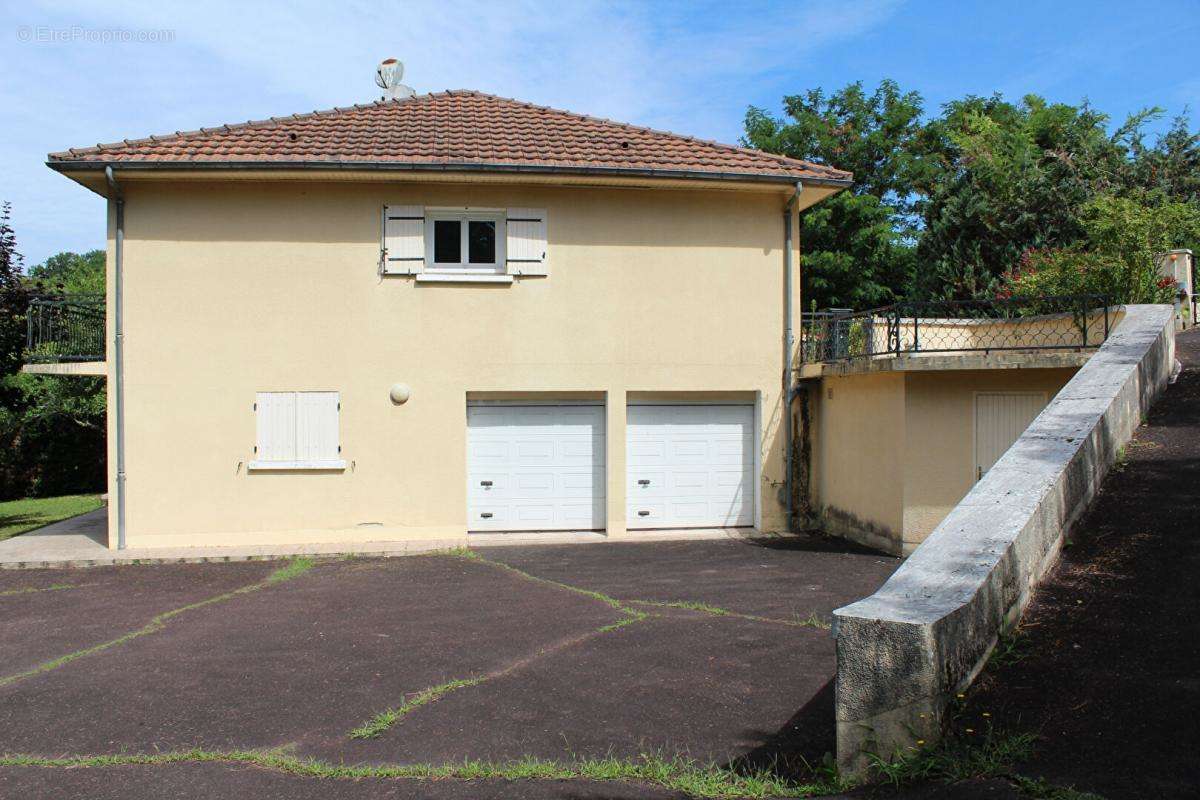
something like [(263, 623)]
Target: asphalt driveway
[(712, 651)]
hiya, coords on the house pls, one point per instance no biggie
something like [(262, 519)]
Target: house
[(455, 313), (449, 313)]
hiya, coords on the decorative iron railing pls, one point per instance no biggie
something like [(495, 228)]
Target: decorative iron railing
[(65, 328), (952, 326)]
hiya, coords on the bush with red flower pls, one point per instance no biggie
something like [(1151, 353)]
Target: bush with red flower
[(1125, 241)]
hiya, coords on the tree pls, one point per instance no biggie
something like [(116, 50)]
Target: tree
[(857, 244), (1005, 179), (52, 428), (72, 273), (13, 297)]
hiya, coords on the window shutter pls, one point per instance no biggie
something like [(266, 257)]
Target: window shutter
[(525, 243), (317, 426), (403, 240), (275, 415)]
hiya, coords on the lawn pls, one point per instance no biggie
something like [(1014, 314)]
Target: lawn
[(20, 516)]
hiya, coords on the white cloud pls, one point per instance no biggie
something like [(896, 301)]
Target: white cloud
[(687, 67)]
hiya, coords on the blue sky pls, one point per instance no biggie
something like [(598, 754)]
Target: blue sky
[(688, 67)]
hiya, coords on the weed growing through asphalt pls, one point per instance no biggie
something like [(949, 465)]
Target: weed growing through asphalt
[(1041, 789), (386, 719), (294, 568), (56, 587), (811, 621), (674, 774)]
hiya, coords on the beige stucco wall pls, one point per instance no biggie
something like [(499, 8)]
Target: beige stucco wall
[(893, 452), (939, 432), (857, 430), (233, 289)]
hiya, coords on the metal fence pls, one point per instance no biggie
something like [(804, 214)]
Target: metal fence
[(951, 326), (65, 328)]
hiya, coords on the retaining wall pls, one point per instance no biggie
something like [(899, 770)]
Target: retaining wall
[(904, 651)]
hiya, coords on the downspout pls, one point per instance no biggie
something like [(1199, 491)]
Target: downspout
[(789, 346), (114, 192)]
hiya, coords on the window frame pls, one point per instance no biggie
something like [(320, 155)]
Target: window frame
[(464, 216)]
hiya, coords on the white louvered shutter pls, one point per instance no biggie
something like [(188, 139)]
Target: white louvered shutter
[(275, 417), (403, 240), (525, 245), (317, 426)]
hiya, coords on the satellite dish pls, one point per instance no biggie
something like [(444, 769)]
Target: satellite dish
[(387, 77)]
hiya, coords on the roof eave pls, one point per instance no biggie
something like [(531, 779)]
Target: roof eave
[(75, 165)]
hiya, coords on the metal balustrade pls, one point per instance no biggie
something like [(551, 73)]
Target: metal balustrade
[(65, 328), (954, 326)]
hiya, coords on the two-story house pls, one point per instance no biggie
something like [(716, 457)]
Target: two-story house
[(444, 314)]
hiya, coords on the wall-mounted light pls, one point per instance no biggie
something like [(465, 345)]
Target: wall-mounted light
[(400, 392)]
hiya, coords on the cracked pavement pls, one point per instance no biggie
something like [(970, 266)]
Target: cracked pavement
[(299, 664)]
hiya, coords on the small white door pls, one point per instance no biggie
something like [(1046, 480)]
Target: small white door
[(1000, 419), (690, 466), (535, 468)]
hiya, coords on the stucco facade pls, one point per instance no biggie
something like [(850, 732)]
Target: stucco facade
[(894, 451), (236, 287)]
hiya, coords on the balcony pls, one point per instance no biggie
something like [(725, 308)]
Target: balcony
[(908, 335), (65, 335)]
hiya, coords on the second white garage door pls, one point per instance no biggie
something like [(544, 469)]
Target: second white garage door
[(535, 468), (690, 466)]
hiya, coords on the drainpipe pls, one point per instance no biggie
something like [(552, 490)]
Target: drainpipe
[(789, 345), (115, 194)]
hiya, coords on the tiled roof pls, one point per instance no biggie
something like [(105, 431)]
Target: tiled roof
[(462, 130)]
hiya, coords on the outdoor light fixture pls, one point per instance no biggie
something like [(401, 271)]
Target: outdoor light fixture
[(400, 392)]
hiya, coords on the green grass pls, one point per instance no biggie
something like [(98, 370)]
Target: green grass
[(22, 516), (293, 568), (55, 587), (1041, 789), (674, 774), (987, 755), (386, 719)]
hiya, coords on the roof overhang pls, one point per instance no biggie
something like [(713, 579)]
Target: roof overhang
[(90, 174)]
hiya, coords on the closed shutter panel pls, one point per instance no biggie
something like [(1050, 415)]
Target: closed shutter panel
[(403, 240), (297, 430), (317, 426), (275, 414), (526, 241)]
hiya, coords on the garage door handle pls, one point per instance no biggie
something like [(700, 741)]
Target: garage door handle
[(643, 513), (486, 515), (643, 482), (485, 483)]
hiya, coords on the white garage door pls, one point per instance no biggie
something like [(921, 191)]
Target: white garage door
[(690, 466), (535, 468)]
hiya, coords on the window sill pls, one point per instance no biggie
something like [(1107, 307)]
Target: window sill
[(465, 277), (293, 466)]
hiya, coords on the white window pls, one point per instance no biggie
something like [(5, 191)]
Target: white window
[(459, 245), (464, 241), (297, 430)]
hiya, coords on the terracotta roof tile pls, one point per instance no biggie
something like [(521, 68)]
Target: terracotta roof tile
[(451, 130)]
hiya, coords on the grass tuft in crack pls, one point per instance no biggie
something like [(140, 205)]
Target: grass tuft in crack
[(675, 774), (294, 568), (56, 587), (386, 719)]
